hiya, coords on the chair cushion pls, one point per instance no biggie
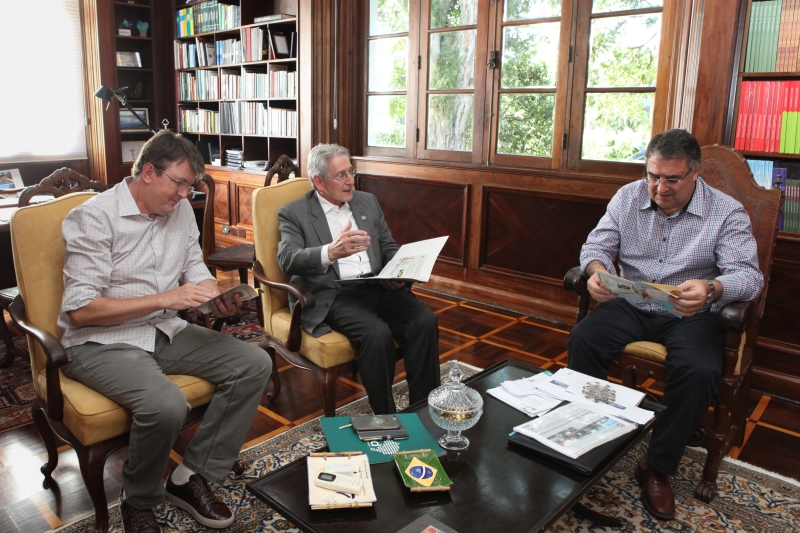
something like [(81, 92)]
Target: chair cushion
[(653, 351), (93, 418), (327, 351)]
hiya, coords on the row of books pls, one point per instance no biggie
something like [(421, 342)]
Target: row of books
[(199, 85), (245, 118), (207, 17), (229, 85), (790, 218), (769, 176), (207, 54), (198, 121), (773, 37), (282, 122), (768, 118), (282, 82)]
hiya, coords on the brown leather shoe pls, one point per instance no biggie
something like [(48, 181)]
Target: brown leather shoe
[(137, 520), (656, 492), (196, 498)]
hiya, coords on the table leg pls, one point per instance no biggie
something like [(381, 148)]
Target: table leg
[(595, 517)]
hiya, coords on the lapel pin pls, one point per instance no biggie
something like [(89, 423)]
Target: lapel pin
[(363, 217)]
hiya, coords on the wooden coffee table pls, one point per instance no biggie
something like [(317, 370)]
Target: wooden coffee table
[(496, 487)]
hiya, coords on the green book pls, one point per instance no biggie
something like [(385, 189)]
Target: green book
[(342, 437), (784, 118), (748, 58), (791, 131), (421, 471)]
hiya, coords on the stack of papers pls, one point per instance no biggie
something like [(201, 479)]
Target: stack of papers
[(568, 385), (574, 429), (524, 395)]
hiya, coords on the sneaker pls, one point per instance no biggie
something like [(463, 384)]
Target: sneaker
[(197, 498), (137, 520)]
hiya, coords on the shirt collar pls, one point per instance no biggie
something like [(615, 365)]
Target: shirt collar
[(127, 204), (327, 207)]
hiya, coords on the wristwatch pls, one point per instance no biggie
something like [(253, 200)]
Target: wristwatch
[(711, 291)]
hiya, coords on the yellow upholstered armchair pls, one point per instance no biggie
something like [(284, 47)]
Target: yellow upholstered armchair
[(724, 169), (64, 409)]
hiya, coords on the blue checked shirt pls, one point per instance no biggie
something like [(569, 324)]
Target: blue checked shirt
[(710, 238)]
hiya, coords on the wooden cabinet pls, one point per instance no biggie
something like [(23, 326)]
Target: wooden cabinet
[(233, 214)]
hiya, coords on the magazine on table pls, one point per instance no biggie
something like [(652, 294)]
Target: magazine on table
[(640, 291), (412, 262), (575, 429), (245, 291)]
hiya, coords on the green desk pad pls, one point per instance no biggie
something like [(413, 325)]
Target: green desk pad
[(378, 451)]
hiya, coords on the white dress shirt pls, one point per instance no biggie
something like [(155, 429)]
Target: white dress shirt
[(338, 217), (115, 251)]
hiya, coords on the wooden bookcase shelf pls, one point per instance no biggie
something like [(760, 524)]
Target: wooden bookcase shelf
[(233, 218)]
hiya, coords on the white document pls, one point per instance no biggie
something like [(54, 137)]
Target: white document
[(574, 429), (321, 499), (529, 385), (531, 404), (412, 262), (568, 385), (245, 291)]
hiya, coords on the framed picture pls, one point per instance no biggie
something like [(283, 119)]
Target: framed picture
[(10, 179), (129, 123), (280, 44), (129, 59), (131, 150)]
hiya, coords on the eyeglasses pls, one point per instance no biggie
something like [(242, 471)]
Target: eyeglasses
[(669, 181), (182, 185), (343, 175)]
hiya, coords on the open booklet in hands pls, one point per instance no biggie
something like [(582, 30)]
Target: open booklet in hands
[(640, 291), (245, 291), (412, 262)]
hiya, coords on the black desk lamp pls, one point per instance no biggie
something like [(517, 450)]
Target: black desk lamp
[(109, 94)]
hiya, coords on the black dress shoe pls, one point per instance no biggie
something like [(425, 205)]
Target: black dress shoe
[(137, 520), (656, 492), (196, 498)]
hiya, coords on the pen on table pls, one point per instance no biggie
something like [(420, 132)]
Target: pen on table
[(346, 426)]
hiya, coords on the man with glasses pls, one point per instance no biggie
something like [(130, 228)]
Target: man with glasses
[(336, 233), (132, 261), (670, 228)]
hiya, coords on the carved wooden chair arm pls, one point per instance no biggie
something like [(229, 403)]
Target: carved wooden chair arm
[(575, 282), (734, 316), (305, 300), (56, 357)]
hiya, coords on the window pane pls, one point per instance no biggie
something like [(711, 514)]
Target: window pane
[(386, 121), (604, 6), (452, 60), (530, 56), (450, 122), (451, 13), (387, 64), (624, 51), (388, 16), (617, 126), (526, 124), (531, 9)]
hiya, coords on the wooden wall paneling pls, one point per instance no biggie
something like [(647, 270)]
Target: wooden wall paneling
[(95, 137), (244, 207), (683, 110), (165, 85), (535, 234), (306, 80), (418, 209), (718, 56)]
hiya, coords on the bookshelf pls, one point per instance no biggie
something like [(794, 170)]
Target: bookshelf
[(766, 114), (235, 68)]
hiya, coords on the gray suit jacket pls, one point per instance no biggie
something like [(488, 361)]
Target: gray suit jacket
[(304, 231)]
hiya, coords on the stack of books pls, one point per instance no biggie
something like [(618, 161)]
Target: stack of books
[(207, 17), (769, 117), (234, 158)]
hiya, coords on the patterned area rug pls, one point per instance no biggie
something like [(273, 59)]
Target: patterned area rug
[(16, 390), (16, 386), (748, 500)]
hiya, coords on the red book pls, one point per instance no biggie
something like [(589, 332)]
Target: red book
[(741, 119), (758, 139)]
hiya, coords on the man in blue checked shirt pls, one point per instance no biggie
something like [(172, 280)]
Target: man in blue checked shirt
[(670, 228)]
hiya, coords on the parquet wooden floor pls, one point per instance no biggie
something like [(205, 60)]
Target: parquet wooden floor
[(471, 332)]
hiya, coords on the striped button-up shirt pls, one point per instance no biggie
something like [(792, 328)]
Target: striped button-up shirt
[(710, 238), (115, 251)]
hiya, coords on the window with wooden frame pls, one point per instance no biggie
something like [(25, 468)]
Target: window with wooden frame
[(561, 84)]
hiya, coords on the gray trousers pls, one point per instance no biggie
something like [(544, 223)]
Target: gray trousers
[(137, 380)]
